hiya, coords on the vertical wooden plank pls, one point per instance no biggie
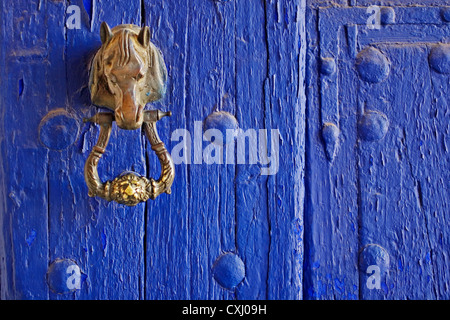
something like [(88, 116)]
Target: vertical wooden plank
[(116, 257), (270, 207), (433, 154), (5, 244), (402, 178), (58, 132), (24, 231), (331, 207), (383, 178), (209, 23), (80, 231), (252, 224), (72, 215), (4, 264), (167, 262), (104, 239), (216, 78), (286, 41), (311, 280), (226, 102)]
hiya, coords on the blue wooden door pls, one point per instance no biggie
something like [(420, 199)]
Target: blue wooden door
[(376, 211), (230, 229), (334, 186)]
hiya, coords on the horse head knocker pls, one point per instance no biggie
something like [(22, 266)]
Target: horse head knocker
[(128, 72)]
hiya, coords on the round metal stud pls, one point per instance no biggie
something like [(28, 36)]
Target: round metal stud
[(445, 13), (58, 130), (327, 66), (372, 65), (223, 121), (387, 15), (439, 58), (64, 276), (330, 135), (374, 254), (373, 125), (228, 270)]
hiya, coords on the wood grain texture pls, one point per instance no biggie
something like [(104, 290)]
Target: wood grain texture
[(217, 61), (367, 3), (331, 211), (241, 57), (311, 231), (25, 187), (46, 187), (167, 253), (384, 175)]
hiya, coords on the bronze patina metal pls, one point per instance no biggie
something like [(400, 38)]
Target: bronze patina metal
[(128, 72)]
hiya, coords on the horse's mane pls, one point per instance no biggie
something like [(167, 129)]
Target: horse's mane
[(124, 46)]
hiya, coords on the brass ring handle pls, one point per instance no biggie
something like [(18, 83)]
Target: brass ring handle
[(129, 189)]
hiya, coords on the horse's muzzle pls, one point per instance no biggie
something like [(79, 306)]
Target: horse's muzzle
[(129, 117)]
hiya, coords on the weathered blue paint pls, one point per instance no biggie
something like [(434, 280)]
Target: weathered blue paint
[(221, 56), (373, 125), (330, 135), (381, 202), (327, 66), (372, 65), (64, 276), (363, 166), (225, 123), (58, 130), (439, 58), (228, 270)]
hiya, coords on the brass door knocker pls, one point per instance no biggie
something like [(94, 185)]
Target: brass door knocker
[(128, 72)]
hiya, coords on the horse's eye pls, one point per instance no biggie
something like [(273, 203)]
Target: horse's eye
[(113, 79), (139, 76)]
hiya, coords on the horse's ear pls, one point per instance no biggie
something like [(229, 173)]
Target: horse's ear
[(144, 36), (105, 33)]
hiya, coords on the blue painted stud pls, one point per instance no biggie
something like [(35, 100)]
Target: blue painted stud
[(445, 13), (64, 276), (439, 58), (374, 254), (372, 65), (387, 15), (228, 270), (58, 130), (373, 125), (225, 122), (327, 66), (330, 135)]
